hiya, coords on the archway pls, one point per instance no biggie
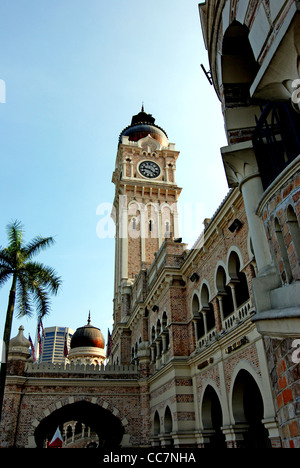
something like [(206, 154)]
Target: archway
[(198, 318), (168, 421), (239, 66), (156, 424), (108, 427), (207, 307), (212, 419), (224, 292), (238, 278), (248, 411)]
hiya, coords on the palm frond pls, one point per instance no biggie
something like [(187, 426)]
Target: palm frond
[(44, 276), (6, 258), (41, 299), (34, 281), (37, 245), (23, 297), (15, 235), (5, 274)]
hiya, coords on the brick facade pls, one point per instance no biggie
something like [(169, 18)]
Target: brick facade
[(203, 337)]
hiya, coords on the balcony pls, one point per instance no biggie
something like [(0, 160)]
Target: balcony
[(276, 140), (238, 316)]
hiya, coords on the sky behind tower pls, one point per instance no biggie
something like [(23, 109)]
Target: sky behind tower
[(72, 75)]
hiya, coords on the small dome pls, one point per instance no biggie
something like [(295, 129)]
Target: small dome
[(142, 125), (19, 346), (19, 341), (87, 336)]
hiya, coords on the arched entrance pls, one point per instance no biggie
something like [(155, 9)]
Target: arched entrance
[(212, 419), (108, 427), (248, 411)]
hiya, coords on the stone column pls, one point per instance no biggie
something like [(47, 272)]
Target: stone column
[(196, 332), (152, 349), (203, 312), (242, 171), (234, 435), (218, 310), (233, 293)]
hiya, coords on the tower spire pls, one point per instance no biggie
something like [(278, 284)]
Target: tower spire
[(89, 318)]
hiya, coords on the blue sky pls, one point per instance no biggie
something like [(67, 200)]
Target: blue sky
[(75, 72)]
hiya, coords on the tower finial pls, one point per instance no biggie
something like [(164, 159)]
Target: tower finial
[(143, 110), (89, 318)]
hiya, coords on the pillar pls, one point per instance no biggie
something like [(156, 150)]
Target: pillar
[(242, 171)]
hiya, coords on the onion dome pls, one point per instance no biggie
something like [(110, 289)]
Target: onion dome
[(87, 336), (87, 345), (19, 346), (142, 125)]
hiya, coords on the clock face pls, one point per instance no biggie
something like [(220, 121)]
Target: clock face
[(149, 169)]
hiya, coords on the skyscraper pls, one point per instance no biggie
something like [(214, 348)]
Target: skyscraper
[(53, 344)]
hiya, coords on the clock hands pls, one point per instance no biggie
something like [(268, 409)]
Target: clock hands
[(149, 169)]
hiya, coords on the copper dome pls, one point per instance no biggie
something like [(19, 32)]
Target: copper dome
[(87, 336), (142, 125)]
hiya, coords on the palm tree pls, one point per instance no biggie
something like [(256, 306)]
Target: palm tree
[(31, 283)]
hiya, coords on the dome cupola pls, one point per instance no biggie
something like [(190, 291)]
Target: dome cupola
[(87, 336), (87, 345), (143, 125)]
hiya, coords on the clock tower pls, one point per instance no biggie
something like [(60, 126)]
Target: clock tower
[(145, 204)]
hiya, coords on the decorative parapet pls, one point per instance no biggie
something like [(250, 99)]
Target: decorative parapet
[(170, 255), (86, 369)]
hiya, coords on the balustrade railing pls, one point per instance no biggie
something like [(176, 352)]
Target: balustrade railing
[(63, 368), (239, 315)]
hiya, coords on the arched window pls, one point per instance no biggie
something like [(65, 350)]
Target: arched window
[(198, 318), (166, 217), (164, 320), (156, 424), (239, 66), (159, 341), (158, 328), (239, 279), (207, 307), (282, 255), (168, 421), (165, 330), (294, 230), (224, 293)]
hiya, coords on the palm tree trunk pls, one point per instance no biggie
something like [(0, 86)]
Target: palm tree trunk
[(6, 338)]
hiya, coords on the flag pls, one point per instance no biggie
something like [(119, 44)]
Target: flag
[(56, 441), (109, 345), (43, 331), (39, 340), (66, 351), (32, 348)]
